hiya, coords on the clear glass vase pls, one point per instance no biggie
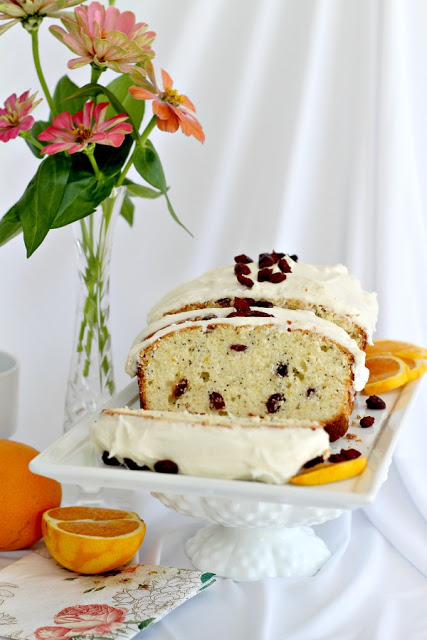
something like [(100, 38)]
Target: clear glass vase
[(91, 377)]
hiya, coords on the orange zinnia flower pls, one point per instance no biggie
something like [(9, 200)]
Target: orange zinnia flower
[(173, 110)]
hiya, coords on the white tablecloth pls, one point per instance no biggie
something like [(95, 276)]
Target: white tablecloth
[(368, 590)]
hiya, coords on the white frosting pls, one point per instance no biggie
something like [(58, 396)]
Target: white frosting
[(331, 287), (303, 320), (243, 450)]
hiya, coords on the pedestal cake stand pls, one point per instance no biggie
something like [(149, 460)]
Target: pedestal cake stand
[(257, 530)]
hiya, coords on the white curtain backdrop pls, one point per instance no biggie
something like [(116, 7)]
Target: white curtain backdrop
[(315, 120)]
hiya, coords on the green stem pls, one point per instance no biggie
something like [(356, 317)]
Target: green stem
[(125, 170), (90, 155), (95, 74), (144, 136), (36, 56), (27, 136), (148, 129)]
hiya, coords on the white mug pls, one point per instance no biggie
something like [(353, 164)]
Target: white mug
[(9, 375)]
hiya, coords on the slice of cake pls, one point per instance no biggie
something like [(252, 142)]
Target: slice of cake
[(329, 291), (207, 446), (243, 361)]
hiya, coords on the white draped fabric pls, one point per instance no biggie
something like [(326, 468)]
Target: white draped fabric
[(314, 114)]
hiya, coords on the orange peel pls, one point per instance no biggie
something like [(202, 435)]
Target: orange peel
[(325, 472), (91, 540), (395, 348), (386, 372)]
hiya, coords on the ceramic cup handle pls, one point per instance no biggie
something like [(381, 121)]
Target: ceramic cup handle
[(9, 381)]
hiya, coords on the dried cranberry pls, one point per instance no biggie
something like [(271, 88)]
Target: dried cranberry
[(243, 258), (216, 401), (294, 257), (242, 268), (238, 347), (367, 421), (375, 402), (284, 266), (112, 462), (264, 274), (248, 314), (313, 462), (166, 466), (265, 260), (277, 277), (133, 466), (246, 282), (240, 304), (282, 369), (224, 302), (350, 454), (274, 403), (344, 454), (336, 457), (250, 301), (277, 256), (180, 388), (262, 303), (260, 314), (310, 390)]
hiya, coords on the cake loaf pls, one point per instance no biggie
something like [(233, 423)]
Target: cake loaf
[(242, 361), (207, 446), (331, 292)]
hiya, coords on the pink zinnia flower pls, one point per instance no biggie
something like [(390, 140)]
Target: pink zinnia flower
[(92, 619), (14, 117), (173, 110), (74, 133), (105, 38), (31, 11)]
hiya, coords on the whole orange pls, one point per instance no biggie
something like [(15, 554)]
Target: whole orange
[(24, 496)]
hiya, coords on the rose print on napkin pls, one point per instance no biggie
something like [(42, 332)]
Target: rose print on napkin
[(43, 601), (84, 619)]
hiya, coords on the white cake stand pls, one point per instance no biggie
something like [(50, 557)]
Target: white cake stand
[(258, 530), (253, 540)]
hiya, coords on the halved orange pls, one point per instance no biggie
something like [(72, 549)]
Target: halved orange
[(396, 348), (92, 540), (417, 367), (386, 372), (330, 472)]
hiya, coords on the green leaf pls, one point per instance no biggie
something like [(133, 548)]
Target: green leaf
[(63, 96), (120, 88), (10, 226), (208, 584), (82, 194), (127, 210), (205, 577), (140, 191), (41, 201), (37, 128), (145, 623), (148, 165), (110, 160), (175, 217)]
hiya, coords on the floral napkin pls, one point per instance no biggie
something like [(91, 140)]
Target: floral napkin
[(41, 600)]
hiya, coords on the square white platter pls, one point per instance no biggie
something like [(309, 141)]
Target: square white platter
[(71, 459)]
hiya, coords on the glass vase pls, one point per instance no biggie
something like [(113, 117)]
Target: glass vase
[(91, 376)]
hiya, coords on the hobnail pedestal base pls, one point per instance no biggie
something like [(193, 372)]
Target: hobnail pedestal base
[(253, 540), (256, 553)]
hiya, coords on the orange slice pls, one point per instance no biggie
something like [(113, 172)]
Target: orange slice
[(395, 348), (330, 472), (90, 539), (385, 373), (417, 367)]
